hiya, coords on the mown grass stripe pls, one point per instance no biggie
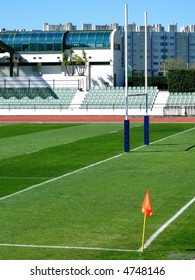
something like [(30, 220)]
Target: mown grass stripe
[(86, 167), (59, 177)]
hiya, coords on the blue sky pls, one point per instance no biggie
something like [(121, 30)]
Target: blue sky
[(32, 14)]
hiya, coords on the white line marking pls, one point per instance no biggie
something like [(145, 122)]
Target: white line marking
[(156, 234), (35, 151), (60, 177), (165, 138), (86, 167), (66, 247)]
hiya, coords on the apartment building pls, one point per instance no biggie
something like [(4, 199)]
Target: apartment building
[(162, 46)]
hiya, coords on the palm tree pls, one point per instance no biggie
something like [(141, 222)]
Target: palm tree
[(81, 63), (72, 62), (69, 62)]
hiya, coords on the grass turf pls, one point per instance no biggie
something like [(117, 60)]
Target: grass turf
[(99, 206)]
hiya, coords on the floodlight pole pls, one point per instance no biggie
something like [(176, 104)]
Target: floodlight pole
[(126, 121), (146, 117)]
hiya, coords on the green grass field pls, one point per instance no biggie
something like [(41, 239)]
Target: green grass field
[(61, 198)]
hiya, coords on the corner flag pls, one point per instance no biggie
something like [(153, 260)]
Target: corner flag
[(147, 210), (146, 205)]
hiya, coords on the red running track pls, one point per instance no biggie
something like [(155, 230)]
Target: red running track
[(92, 119)]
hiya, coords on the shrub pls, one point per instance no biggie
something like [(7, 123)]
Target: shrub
[(181, 80)]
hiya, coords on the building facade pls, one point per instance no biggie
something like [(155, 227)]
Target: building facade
[(162, 46), (42, 54)]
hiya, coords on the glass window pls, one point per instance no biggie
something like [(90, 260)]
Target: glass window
[(41, 42), (4, 38), (68, 40), (75, 40), (91, 40), (107, 40), (57, 47), (26, 42), (99, 40), (33, 42), (117, 46), (17, 42), (54, 41), (10, 40), (49, 47), (49, 41), (25, 47), (49, 37), (58, 37), (83, 40)]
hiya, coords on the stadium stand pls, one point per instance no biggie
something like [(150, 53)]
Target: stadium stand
[(36, 98), (181, 99), (106, 100), (61, 98), (114, 98), (31, 93), (179, 103)]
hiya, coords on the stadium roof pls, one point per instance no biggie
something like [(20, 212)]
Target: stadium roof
[(55, 41), (88, 39), (34, 41)]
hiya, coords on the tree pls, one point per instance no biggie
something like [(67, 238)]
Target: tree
[(72, 62), (170, 64), (69, 62), (181, 80), (81, 62)]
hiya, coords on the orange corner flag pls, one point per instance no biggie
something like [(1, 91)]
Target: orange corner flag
[(146, 205)]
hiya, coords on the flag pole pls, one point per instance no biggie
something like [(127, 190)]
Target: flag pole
[(147, 210), (143, 234)]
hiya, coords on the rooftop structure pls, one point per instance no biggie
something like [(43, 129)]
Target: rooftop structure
[(59, 27)]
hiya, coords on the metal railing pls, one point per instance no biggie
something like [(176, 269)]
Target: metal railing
[(38, 82)]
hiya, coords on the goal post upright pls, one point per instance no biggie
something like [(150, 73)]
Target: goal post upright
[(126, 121), (146, 117)]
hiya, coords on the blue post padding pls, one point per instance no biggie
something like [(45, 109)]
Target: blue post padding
[(146, 130), (126, 136)]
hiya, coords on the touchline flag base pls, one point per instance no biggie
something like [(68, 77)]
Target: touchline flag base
[(147, 210)]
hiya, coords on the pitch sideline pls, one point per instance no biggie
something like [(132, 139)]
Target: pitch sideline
[(147, 243)]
